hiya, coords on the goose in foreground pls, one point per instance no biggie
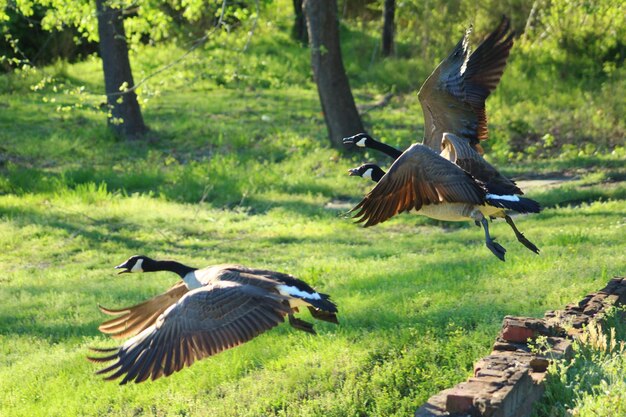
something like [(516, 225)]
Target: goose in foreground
[(212, 309), (453, 96), (456, 185)]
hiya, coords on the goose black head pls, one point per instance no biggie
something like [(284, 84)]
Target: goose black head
[(362, 140), (368, 171), (137, 263)]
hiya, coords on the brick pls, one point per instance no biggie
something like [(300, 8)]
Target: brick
[(508, 382), (435, 406), (513, 333), (461, 398), (538, 377)]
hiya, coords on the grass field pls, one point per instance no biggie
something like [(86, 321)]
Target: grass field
[(233, 173)]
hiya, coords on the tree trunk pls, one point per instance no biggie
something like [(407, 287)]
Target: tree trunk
[(299, 32), (125, 115), (340, 113), (389, 13)]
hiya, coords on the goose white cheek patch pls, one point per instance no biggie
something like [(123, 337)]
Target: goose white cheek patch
[(368, 174), (286, 289), (137, 267), (361, 143)]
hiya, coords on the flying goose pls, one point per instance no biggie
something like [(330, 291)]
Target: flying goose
[(212, 309), (446, 177), (433, 187), (453, 96)]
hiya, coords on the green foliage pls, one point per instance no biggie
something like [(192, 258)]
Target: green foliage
[(586, 39), (593, 381), (581, 113)]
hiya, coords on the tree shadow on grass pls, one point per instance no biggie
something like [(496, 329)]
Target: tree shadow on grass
[(83, 228)]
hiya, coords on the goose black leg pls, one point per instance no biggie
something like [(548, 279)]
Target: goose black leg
[(301, 324), (520, 236), (494, 247)]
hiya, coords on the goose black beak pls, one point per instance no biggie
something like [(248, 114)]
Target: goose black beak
[(350, 140), (125, 268), (353, 172)]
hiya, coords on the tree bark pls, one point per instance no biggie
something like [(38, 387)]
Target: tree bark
[(299, 31), (125, 115), (389, 12), (340, 113)]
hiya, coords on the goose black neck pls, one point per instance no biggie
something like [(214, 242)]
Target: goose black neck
[(171, 266), (377, 174), (386, 149)]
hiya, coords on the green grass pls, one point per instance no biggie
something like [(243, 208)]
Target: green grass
[(418, 304), (237, 168)]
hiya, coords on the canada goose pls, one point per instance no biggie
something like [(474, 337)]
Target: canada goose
[(453, 96), (417, 180), (457, 184), (210, 310)]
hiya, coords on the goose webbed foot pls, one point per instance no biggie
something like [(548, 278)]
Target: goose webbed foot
[(494, 247), (520, 236), (527, 243), (301, 324)]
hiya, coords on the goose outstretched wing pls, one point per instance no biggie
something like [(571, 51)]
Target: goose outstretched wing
[(133, 320), (453, 97), (203, 322)]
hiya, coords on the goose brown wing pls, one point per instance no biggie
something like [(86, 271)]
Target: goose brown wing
[(453, 97), (460, 152), (133, 320), (204, 322), (418, 177)]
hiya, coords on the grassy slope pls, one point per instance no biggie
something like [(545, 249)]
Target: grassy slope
[(244, 175)]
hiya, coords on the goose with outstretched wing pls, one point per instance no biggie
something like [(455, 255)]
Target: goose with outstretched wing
[(453, 96), (210, 310), (426, 176)]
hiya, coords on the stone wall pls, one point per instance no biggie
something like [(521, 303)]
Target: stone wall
[(510, 380)]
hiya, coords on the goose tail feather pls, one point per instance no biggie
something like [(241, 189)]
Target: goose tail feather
[(514, 202)]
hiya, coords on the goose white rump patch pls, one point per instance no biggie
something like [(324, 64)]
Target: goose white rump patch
[(503, 197), (293, 291)]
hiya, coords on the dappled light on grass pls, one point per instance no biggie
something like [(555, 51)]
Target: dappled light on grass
[(417, 305)]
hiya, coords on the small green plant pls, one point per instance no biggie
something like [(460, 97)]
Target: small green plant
[(592, 383)]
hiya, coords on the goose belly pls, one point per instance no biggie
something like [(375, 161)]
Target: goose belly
[(452, 212)]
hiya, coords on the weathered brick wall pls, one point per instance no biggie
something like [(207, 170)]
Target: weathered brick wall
[(510, 380)]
